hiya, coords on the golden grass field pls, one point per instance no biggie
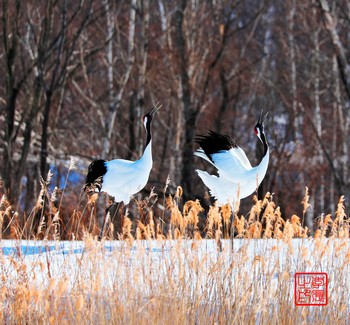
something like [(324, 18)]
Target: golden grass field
[(178, 276), (172, 282)]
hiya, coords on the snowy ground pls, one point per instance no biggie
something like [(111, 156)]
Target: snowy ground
[(262, 264)]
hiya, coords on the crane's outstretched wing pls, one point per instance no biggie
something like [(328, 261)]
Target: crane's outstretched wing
[(232, 164), (222, 152)]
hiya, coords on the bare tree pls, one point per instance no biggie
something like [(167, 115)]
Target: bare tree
[(331, 25), (76, 78), (115, 97), (196, 84), (41, 55), (15, 78)]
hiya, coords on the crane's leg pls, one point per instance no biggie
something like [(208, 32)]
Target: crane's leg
[(107, 216), (106, 219), (122, 218)]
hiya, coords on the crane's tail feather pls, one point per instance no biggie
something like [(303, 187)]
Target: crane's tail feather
[(211, 181), (94, 177), (223, 190)]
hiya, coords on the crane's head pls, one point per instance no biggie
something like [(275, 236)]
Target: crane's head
[(147, 118), (259, 127)]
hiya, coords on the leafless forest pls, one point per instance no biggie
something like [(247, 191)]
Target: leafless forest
[(77, 76)]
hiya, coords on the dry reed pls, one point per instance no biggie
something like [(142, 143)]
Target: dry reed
[(186, 284), (170, 218)]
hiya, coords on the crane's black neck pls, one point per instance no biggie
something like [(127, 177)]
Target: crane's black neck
[(263, 140), (148, 131)]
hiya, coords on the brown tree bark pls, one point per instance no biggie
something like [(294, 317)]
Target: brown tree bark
[(10, 26), (330, 23), (188, 111)]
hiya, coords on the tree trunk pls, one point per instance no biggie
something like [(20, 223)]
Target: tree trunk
[(143, 55), (187, 154), (344, 72), (318, 119), (187, 110), (8, 144), (224, 103), (115, 103), (132, 133), (293, 71), (176, 154), (331, 26), (45, 136), (12, 90), (31, 192), (27, 136), (336, 106)]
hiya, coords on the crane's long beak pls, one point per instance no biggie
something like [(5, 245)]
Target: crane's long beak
[(262, 117), (155, 109)]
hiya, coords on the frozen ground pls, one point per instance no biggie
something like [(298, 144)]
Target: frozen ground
[(263, 265)]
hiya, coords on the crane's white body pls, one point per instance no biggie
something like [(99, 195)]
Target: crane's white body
[(237, 178), (125, 178), (122, 178)]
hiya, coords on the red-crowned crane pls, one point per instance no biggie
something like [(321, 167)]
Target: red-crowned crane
[(122, 178), (237, 178)]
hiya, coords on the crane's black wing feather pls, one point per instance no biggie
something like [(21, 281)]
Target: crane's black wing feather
[(214, 142), (94, 177)]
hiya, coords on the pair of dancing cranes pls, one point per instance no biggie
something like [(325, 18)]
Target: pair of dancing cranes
[(236, 178)]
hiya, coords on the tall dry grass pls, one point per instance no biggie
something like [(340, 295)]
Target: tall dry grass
[(176, 263), (174, 282), (167, 217)]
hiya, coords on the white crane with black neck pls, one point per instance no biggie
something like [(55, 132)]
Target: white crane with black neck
[(122, 178), (237, 178)]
